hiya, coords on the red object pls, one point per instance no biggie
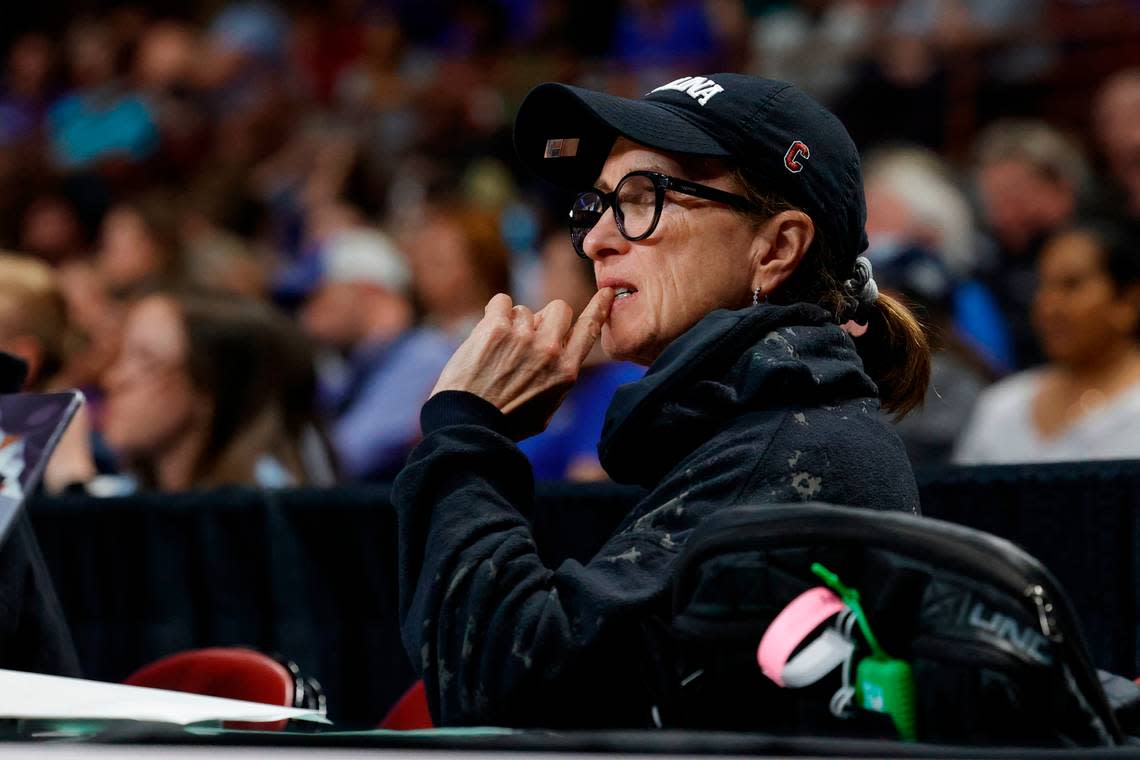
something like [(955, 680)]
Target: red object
[(410, 711), (230, 672)]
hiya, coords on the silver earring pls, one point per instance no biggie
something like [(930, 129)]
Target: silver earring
[(756, 297)]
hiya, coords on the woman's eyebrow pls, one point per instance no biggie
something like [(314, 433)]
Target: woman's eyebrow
[(649, 167)]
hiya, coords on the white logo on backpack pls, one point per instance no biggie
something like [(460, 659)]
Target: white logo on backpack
[(701, 89)]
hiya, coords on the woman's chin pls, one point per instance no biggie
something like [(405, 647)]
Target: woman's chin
[(620, 347), (615, 343), (609, 343)]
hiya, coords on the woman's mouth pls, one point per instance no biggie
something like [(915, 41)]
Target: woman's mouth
[(622, 294)]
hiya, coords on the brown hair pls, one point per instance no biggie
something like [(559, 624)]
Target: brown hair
[(158, 212), (895, 349), (490, 257), (258, 371)]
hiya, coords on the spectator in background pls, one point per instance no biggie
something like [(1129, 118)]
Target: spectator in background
[(922, 244), (164, 68), (26, 88), (34, 327), (925, 54), (220, 260), (913, 203), (101, 123), (362, 309), (221, 246), (241, 78), (33, 319), (204, 394), (813, 44), (139, 250), (459, 261), (140, 246), (244, 55), (1085, 403), (568, 448), (669, 35), (1030, 180), (51, 228), (1003, 38), (1116, 120)]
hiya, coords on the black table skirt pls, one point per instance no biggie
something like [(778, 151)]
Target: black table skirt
[(310, 574)]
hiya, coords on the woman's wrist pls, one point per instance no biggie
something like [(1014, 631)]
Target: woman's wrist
[(450, 407)]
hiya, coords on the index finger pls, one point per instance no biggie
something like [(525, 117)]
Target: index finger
[(589, 326)]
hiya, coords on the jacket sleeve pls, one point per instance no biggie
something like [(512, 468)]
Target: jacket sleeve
[(499, 638)]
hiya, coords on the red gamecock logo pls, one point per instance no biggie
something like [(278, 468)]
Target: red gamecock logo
[(796, 151)]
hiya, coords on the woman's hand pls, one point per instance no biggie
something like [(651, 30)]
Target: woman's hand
[(524, 362)]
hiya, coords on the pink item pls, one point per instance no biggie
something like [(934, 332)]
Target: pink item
[(795, 623)]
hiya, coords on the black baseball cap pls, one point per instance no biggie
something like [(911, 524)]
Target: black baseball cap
[(792, 143)]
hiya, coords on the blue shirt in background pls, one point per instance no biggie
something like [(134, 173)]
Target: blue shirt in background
[(87, 127), (574, 431), (376, 411)]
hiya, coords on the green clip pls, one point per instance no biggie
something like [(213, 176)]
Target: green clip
[(883, 684), (850, 597)]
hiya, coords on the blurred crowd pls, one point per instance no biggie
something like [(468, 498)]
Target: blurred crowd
[(253, 233)]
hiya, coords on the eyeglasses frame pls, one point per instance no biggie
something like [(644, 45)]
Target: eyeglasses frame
[(662, 183)]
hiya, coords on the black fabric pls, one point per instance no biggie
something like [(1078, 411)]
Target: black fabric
[(13, 372), (459, 408), (33, 631), (733, 364), (309, 575), (763, 405), (1080, 520), (143, 577)]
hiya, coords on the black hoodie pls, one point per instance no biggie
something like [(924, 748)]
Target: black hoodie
[(764, 405)]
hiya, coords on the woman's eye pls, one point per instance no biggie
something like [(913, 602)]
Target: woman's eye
[(637, 198)]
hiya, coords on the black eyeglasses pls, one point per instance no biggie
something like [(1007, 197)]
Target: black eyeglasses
[(637, 202)]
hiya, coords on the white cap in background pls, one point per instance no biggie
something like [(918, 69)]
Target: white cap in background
[(365, 255)]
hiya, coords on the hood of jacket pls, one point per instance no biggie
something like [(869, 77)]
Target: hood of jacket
[(729, 364)]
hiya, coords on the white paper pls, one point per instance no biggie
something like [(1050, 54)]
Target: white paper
[(32, 695)]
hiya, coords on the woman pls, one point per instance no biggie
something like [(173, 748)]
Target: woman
[(34, 327), (1085, 402), (728, 265), (140, 247), (459, 260), (210, 390)]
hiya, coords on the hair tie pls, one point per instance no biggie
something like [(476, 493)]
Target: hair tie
[(862, 292)]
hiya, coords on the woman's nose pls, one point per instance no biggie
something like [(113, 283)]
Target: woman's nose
[(605, 239)]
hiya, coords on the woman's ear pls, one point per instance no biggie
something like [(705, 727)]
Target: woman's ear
[(780, 244)]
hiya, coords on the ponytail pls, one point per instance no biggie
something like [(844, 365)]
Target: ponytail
[(896, 354)]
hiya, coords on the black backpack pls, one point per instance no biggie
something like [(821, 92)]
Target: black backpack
[(995, 652)]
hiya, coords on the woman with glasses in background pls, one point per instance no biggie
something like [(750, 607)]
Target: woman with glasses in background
[(724, 218), (212, 390), (1084, 403)]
